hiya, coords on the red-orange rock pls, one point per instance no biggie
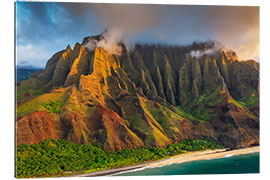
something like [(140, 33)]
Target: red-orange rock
[(37, 127), (109, 128)]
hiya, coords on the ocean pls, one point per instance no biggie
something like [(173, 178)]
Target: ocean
[(238, 164)]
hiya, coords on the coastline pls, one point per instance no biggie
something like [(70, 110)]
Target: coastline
[(203, 155), (185, 157)]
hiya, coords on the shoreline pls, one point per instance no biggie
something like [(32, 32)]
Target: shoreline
[(185, 157)]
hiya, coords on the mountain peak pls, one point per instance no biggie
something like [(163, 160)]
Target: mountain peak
[(229, 54), (68, 49)]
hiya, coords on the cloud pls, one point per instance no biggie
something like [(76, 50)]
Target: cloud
[(43, 29), (216, 48), (123, 21), (109, 41), (237, 27), (32, 55), (233, 26), (67, 23)]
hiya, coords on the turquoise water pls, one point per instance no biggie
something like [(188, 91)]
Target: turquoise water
[(247, 163)]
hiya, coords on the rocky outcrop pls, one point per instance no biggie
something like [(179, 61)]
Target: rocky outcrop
[(246, 79), (74, 128), (43, 78), (158, 82), (234, 122), (36, 127), (108, 128), (190, 81), (211, 75), (170, 83), (80, 66)]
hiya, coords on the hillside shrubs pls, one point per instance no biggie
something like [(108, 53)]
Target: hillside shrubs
[(53, 157), (53, 106)]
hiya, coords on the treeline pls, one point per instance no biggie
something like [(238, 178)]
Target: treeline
[(53, 157)]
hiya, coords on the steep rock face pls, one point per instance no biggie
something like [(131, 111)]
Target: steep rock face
[(211, 75), (225, 67), (110, 129), (241, 77), (152, 96), (158, 81), (80, 66), (45, 76), (147, 85), (246, 79), (190, 81), (141, 121), (170, 83), (74, 127), (196, 78), (157, 77), (234, 123), (144, 84), (37, 127), (62, 68), (184, 84), (96, 83)]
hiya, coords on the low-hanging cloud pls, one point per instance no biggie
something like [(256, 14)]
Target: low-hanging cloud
[(122, 22), (199, 53), (109, 41), (234, 26)]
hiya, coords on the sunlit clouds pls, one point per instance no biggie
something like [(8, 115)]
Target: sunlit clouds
[(49, 27)]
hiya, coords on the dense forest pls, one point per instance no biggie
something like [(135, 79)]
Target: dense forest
[(59, 157)]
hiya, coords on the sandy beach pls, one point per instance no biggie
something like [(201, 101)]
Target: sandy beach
[(185, 157), (201, 155)]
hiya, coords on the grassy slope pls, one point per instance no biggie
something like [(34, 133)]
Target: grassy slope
[(202, 112), (37, 104)]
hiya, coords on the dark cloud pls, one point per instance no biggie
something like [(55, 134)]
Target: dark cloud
[(34, 20), (48, 28), (54, 25), (236, 27), (48, 21)]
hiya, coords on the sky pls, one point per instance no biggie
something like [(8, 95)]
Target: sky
[(44, 28)]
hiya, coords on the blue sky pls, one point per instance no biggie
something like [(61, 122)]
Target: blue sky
[(43, 29)]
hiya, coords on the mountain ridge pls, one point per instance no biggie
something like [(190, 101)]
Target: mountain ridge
[(155, 94)]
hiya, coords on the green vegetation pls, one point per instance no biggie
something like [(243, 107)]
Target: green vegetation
[(36, 104), (200, 113), (252, 99), (243, 108), (249, 101), (211, 98), (27, 89), (159, 115), (198, 109), (55, 157), (30, 91), (53, 106)]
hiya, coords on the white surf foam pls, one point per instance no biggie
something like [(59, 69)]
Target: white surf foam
[(132, 170)]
